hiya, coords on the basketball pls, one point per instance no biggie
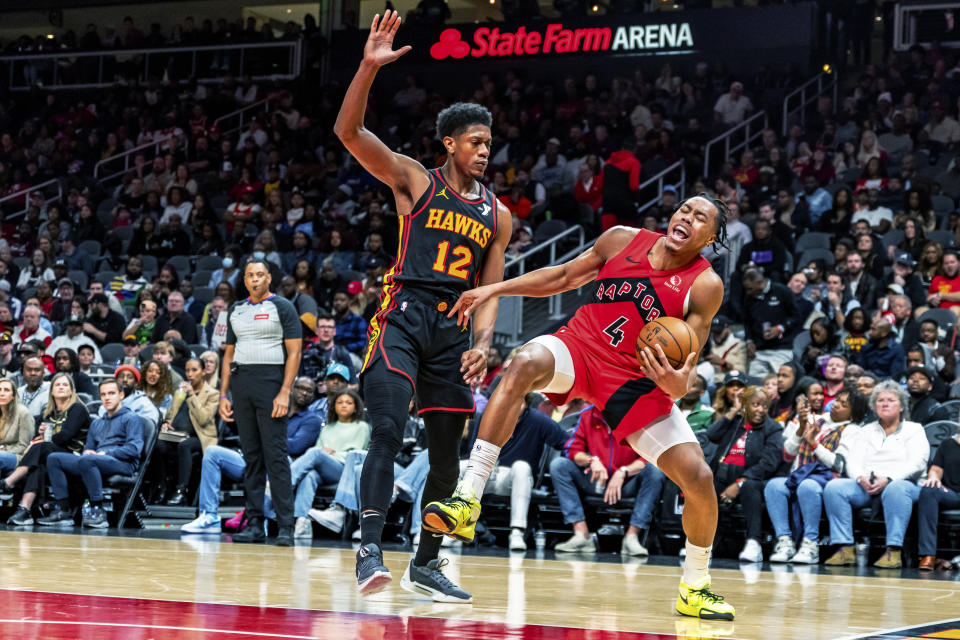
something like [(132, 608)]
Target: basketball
[(674, 336)]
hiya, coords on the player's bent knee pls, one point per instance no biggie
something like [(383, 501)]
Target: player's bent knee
[(527, 369)]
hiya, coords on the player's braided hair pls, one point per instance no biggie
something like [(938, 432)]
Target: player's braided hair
[(455, 119), (722, 211)]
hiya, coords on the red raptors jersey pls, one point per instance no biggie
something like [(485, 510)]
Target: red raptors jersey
[(627, 294)]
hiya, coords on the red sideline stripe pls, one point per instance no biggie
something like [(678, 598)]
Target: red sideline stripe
[(56, 616)]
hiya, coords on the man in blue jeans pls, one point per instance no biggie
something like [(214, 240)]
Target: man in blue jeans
[(596, 464), (217, 462), (408, 482), (113, 446)]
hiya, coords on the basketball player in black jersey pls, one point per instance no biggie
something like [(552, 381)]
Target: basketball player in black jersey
[(453, 235)]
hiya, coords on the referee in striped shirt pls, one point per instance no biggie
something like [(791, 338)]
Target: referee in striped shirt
[(260, 362)]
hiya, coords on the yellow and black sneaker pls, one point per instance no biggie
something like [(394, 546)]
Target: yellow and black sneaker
[(696, 600), (455, 517)]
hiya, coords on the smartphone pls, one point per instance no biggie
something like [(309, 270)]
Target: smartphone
[(873, 477)]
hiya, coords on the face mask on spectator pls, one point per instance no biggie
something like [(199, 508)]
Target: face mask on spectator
[(227, 263), (259, 255)]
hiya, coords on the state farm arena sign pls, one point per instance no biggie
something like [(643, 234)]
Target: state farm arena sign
[(779, 35), (556, 39)]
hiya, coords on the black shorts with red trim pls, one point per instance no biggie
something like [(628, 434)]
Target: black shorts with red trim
[(416, 339)]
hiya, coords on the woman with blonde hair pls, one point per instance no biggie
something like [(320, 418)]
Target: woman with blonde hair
[(211, 367), (870, 148), (16, 426), (62, 427)]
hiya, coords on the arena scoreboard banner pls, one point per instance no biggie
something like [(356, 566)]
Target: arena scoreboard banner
[(777, 35)]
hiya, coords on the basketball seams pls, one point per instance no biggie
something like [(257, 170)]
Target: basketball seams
[(643, 342)]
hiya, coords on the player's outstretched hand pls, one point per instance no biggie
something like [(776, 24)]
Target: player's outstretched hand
[(655, 366), (379, 48), (473, 366), (468, 303)]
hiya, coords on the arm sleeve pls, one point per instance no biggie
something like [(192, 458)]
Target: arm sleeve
[(791, 441), (91, 443), (916, 453), (77, 417), (635, 175), (939, 458), (231, 336), (25, 429), (289, 319), (578, 443), (716, 430), (305, 436), (202, 413), (553, 434), (770, 455)]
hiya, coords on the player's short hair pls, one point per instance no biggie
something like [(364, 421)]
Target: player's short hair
[(456, 118)]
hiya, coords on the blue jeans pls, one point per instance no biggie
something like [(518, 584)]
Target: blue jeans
[(411, 480), (569, 480), (217, 461), (842, 495), (8, 462), (810, 497), (90, 468), (928, 514), (309, 471)]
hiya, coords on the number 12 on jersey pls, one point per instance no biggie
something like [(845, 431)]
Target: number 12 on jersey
[(456, 267)]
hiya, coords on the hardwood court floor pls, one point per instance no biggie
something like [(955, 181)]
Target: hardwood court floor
[(294, 590)]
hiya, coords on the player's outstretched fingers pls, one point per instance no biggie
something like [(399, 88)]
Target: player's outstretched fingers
[(653, 362), (691, 361), (375, 24)]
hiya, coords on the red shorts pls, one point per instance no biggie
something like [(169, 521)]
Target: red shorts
[(628, 400)]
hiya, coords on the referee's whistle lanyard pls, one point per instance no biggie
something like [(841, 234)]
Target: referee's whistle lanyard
[(272, 295)]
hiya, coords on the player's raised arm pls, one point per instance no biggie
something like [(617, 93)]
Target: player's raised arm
[(548, 281), (403, 174)]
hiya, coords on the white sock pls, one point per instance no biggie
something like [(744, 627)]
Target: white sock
[(483, 459), (697, 563)]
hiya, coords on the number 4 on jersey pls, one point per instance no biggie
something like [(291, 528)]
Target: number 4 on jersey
[(615, 332)]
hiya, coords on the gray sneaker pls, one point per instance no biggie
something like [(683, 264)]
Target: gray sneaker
[(97, 518), (431, 582)]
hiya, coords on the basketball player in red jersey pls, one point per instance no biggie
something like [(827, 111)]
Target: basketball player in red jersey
[(453, 235), (637, 277)]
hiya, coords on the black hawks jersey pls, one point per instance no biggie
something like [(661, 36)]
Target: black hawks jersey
[(444, 240)]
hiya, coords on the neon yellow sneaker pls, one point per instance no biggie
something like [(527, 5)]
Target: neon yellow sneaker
[(698, 601), (455, 516)]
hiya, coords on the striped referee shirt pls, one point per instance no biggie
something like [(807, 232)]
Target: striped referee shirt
[(258, 329)]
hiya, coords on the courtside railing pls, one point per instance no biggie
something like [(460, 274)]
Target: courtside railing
[(679, 182), (234, 121), (117, 165), (797, 102), (46, 189), (736, 138), (281, 59), (513, 311)]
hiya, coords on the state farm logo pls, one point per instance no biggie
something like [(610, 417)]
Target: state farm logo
[(450, 44), (674, 282), (556, 39)]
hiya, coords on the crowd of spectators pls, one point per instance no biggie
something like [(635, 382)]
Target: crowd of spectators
[(129, 279)]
